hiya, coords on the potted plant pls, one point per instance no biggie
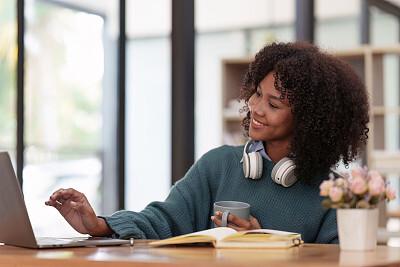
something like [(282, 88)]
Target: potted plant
[(356, 196)]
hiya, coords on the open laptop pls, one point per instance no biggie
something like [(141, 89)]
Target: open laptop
[(15, 226)]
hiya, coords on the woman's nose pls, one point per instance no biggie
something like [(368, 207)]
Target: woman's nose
[(257, 107)]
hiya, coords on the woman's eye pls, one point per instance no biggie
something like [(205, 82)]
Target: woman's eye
[(258, 93), (272, 105)]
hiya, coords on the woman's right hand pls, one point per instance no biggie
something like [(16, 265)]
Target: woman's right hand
[(241, 224), (77, 211)]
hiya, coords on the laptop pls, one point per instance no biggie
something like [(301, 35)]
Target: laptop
[(15, 226)]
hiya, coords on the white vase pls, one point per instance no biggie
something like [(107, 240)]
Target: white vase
[(357, 228)]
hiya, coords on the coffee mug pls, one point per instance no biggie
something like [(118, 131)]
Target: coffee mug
[(240, 209)]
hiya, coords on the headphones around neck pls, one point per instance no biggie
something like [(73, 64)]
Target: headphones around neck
[(282, 173)]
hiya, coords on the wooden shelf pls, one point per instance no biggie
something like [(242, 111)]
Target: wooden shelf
[(393, 214), (382, 110), (233, 71)]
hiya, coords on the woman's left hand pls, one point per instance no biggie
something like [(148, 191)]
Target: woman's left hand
[(242, 224)]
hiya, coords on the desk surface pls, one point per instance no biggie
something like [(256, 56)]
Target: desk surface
[(142, 255)]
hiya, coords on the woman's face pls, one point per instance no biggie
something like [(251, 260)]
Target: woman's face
[(271, 117)]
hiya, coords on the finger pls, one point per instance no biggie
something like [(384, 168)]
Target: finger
[(63, 194), (59, 195), (70, 193), (216, 220), (51, 202), (240, 222), (218, 217), (54, 204), (55, 194), (254, 223)]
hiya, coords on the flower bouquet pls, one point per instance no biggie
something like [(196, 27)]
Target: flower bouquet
[(356, 197), (362, 189)]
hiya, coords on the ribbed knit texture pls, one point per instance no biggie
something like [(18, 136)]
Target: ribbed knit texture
[(218, 176)]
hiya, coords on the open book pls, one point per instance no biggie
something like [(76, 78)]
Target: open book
[(224, 237)]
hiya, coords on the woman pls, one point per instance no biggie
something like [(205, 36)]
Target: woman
[(301, 104)]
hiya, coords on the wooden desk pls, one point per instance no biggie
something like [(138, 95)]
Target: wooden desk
[(142, 255)]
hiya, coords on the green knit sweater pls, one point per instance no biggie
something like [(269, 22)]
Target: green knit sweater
[(218, 176)]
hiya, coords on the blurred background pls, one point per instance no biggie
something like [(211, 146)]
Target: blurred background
[(93, 103)]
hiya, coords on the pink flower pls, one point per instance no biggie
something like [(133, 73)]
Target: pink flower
[(375, 175), (357, 172), (376, 184), (341, 182), (358, 185), (390, 193), (324, 187), (335, 194)]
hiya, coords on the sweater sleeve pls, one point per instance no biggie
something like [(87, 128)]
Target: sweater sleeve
[(185, 210), (328, 229)]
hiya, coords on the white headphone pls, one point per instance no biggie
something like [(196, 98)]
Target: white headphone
[(282, 173)]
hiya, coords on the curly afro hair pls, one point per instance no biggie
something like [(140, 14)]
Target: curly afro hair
[(329, 102)]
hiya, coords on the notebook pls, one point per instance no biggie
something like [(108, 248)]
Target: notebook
[(15, 226)]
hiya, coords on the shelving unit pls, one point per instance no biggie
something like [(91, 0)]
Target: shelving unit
[(368, 61), (233, 71)]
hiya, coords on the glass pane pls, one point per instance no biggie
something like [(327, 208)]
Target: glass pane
[(148, 102), (63, 118), (8, 66)]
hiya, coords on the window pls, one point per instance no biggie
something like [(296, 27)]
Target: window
[(8, 88), (64, 69)]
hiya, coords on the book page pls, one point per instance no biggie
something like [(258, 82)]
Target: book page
[(218, 232), (209, 235)]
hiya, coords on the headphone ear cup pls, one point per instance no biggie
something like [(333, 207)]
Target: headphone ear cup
[(246, 167), (259, 165), (283, 172), (256, 165)]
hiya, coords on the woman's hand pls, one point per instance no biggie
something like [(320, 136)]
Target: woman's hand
[(78, 212), (242, 224)]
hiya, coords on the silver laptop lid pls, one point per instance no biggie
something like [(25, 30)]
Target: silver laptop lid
[(15, 226)]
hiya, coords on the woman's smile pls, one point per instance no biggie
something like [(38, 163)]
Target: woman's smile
[(256, 124)]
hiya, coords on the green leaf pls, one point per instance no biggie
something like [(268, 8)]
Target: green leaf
[(326, 204), (362, 204)]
